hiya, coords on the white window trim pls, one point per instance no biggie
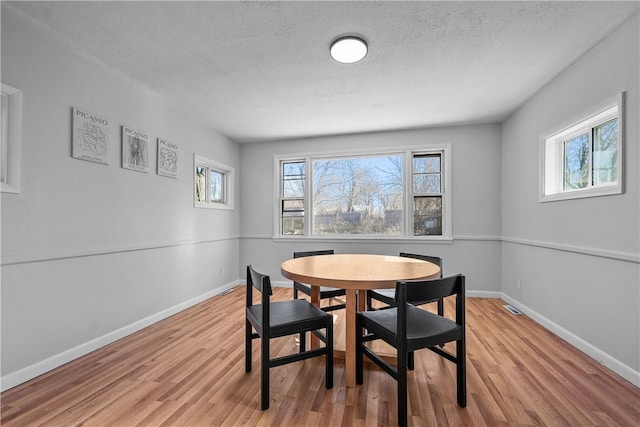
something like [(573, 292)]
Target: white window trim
[(407, 152), (229, 180), (12, 131), (550, 157)]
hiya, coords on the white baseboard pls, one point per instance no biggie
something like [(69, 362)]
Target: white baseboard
[(28, 373), (600, 356)]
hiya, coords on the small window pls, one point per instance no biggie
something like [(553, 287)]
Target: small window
[(584, 160), (213, 184), (11, 149)]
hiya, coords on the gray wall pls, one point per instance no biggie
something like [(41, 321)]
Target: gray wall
[(475, 156), (92, 252), (577, 259)]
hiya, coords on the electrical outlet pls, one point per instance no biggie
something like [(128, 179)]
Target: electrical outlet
[(518, 284)]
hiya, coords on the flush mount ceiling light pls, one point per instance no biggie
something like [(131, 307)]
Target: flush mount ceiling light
[(348, 49)]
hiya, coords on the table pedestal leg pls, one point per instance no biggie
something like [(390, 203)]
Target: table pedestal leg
[(355, 301)]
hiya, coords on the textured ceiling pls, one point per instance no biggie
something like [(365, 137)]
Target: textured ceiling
[(261, 70)]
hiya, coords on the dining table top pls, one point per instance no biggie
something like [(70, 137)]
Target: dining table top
[(357, 271)]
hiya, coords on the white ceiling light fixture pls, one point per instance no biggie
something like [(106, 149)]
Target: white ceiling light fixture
[(348, 49)]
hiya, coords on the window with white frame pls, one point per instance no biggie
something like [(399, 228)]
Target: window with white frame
[(367, 195), (213, 184), (585, 159), (10, 150)]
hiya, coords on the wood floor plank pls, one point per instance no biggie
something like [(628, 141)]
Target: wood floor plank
[(188, 370)]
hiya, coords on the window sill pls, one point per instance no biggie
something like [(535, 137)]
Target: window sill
[(368, 239), (581, 194), (213, 206)]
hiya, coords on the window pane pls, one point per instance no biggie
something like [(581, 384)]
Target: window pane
[(292, 206), (426, 163), (216, 184), (201, 179), (427, 173), (426, 183), (293, 226), (427, 216), (358, 195), (293, 176), (576, 162), (293, 188), (292, 217), (605, 153)]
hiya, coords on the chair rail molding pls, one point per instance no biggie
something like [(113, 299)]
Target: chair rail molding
[(602, 253), (15, 259)]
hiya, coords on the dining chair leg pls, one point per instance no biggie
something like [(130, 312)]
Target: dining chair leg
[(359, 354), (329, 358), (302, 340), (441, 307), (402, 388), (264, 373), (410, 361), (247, 346), (461, 373)]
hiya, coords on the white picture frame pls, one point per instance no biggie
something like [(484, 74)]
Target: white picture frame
[(90, 137), (135, 149), (167, 159)]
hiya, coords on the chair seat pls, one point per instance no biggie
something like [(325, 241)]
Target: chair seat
[(287, 316), (424, 329)]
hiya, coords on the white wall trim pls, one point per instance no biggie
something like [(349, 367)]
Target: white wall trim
[(626, 372), (416, 240), (25, 374), (9, 259), (602, 253)]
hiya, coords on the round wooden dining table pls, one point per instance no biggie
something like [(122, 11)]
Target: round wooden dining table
[(355, 273)]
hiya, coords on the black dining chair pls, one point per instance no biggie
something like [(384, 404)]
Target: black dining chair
[(408, 328), (325, 291), (282, 318), (387, 296)]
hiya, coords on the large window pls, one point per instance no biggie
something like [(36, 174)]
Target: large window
[(585, 159), (213, 184), (377, 195)]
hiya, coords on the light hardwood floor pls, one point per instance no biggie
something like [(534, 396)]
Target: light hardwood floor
[(188, 370)]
